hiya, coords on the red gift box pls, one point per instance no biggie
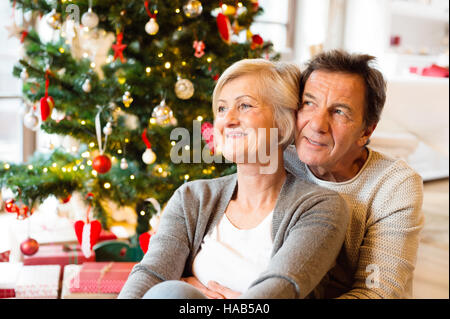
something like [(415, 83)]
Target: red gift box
[(101, 277), (7, 293), (58, 255)]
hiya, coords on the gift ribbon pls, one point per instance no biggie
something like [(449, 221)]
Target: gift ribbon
[(103, 272), (88, 196), (98, 131), (151, 15)]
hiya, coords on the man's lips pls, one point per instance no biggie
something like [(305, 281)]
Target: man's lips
[(315, 143)]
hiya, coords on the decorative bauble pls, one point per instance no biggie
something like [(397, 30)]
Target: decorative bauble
[(107, 130), (152, 27), (184, 89), (224, 26), (89, 19), (24, 75), (148, 157), (31, 120), (193, 8), (87, 87), (144, 240), (53, 19), (102, 164), (163, 114), (10, 206), (127, 99), (47, 104), (123, 163), (29, 247)]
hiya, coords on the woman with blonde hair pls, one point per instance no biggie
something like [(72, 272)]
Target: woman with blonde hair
[(259, 233)]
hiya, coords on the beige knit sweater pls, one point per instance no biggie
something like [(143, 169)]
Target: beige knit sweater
[(379, 253)]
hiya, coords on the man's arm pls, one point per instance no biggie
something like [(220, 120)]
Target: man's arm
[(389, 249)]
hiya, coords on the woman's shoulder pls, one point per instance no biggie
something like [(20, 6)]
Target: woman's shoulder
[(203, 187)]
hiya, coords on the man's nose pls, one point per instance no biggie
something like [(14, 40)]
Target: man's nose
[(319, 122)]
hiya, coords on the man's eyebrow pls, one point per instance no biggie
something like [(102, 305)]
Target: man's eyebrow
[(343, 106), (306, 94)]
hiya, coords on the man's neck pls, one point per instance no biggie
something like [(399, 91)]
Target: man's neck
[(343, 171)]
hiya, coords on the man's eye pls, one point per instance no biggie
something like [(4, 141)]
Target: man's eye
[(307, 103), (339, 112)]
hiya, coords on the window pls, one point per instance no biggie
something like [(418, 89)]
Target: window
[(11, 106), (277, 25)]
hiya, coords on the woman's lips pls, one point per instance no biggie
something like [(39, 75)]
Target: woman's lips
[(237, 134)]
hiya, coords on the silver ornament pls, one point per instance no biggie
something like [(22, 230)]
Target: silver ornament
[(193, 8), (163, 114), (31, 120), (152, 27), (89, 19), (148, 157), (107, 130), (123, 163), (127, 99), (87, 86), (184, 89)]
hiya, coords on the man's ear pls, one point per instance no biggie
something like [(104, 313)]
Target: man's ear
[(363, 140)]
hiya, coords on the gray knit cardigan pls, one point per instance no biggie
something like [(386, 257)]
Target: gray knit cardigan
[(308, 229)]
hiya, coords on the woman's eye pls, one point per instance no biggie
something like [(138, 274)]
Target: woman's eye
[(245, 106), (221, 109)]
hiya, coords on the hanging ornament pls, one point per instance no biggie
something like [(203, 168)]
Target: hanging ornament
[(29, 247), (89, 19), (223, 24), (123, 163), (127, 99), (148, 157), (151, 27), (163, 115), (199, 47), (184, 89), (24, 75), (46, 102), (15, 31), (207, 131), (87, 87), (193, 8), (107, 130), (87, 232), (228, 10), (53, 19), (144, 241), (118, 48), (257, 42), (255, 5), (101, 163), (31, 120)]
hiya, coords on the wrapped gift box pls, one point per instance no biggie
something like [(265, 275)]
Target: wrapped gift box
[(71, 271), (101, 277), (38, 282), (58, 254), (9, 274)]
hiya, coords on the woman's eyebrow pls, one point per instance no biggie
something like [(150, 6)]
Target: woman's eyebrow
[(245, 95)]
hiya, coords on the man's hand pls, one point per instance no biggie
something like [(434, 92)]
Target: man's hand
[(224, 291), (211, 294)]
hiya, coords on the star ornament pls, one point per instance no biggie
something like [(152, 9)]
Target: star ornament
[(119, 47), (16, 31)]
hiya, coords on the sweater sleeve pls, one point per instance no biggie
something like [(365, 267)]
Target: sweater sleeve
[(389, 249), (167, 253), (309, 250)]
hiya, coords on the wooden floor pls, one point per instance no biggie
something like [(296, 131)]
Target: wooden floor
[(432, 268)]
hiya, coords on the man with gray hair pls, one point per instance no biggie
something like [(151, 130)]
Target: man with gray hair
[(342, 96)]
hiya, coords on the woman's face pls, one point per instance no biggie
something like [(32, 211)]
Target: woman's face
[(242, 124)]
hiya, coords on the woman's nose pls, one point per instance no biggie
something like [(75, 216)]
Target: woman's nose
[(232, 117)]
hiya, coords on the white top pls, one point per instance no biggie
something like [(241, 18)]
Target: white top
[(234, 257)]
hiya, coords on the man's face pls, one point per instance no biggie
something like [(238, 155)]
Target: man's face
[(330, 120)]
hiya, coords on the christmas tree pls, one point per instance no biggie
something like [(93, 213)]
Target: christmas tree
[(118, 76)]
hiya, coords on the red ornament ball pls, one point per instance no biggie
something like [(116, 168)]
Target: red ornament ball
[(29, 247), (102, 164)]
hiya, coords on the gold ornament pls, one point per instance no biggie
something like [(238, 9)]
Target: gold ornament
[(193, 8), (163, 115), (54, 19), (184, 89), (127, 99)]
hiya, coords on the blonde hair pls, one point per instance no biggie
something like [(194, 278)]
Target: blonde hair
[(277, 85)]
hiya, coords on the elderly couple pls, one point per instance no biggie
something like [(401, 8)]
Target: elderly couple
[(335, 219)]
